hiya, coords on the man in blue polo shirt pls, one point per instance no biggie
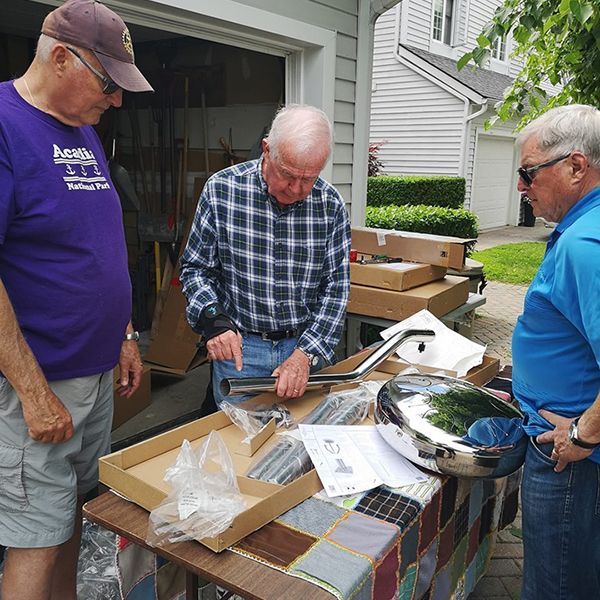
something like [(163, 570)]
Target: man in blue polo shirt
[(556, 359)]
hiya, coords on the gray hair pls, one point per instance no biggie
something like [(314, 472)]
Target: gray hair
[(303, 129), (46, 44), (566, 129)]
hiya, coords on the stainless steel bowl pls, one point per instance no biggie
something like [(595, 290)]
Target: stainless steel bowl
[(451, 426)]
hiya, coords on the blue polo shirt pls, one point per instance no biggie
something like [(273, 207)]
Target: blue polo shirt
[(556, 341)]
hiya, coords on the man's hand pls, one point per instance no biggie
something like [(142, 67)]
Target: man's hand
[(130, 369), (292, 375), (47, 419), (564, 451), (227, 346)]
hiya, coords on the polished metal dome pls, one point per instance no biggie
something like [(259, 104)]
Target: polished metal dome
[(451, 426)]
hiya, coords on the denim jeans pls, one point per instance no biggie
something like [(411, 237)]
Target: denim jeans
[(561, 528), (259, 359)]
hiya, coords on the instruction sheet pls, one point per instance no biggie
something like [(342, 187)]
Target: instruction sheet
[(355, 458)]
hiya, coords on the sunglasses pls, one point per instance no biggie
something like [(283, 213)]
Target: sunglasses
[(108, 85), (528, 175)]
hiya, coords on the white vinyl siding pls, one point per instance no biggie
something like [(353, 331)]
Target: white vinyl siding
[(417, 26), (420, 124)]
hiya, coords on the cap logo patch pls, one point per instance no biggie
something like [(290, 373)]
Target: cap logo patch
[(127, 43)]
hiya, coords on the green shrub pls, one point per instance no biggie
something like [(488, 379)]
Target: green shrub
[(416, 189), (437, 220)]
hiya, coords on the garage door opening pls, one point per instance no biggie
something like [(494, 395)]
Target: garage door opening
[(211, 107)]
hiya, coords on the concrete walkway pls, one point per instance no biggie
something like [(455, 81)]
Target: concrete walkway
[(493, 327)]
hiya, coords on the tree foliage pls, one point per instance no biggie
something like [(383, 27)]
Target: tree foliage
[(558, 41)]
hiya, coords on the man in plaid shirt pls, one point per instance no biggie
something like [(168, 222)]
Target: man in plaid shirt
[(265, 270)]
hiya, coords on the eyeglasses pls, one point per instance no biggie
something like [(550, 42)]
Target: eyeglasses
[(528, 175), (109, 86)]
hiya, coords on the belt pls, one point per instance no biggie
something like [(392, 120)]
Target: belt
[(275, 336)]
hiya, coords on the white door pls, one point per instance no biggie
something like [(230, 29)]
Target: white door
[(493, 179)]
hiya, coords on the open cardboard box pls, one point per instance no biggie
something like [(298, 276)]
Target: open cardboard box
[(137, 472), (444, 251), (395, 276)]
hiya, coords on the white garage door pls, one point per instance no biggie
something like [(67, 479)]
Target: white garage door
[(493, 181)]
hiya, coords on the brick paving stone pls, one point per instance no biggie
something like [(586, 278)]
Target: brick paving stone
[(502, 567)]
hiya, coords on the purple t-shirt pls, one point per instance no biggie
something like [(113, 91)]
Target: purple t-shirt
[(63, 258)]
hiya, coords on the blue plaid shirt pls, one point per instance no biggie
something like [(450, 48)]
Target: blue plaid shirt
[(270, 268)]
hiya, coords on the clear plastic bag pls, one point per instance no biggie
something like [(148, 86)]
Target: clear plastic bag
[(251, 421), (97, 568), (347, 407), (204, 498), (288, 459)]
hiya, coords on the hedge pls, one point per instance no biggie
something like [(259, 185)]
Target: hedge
[(416, 189), (438, 220)]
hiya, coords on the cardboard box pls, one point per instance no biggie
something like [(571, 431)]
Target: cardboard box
[(444, 251), (174, 350), (479, 375), (125, 408), (438, 297), (395, 276), (137, 472)]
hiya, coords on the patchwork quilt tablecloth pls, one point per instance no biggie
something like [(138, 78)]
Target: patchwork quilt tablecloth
[(431, 540)]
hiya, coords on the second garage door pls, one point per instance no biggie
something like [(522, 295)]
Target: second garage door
[(493, 182)]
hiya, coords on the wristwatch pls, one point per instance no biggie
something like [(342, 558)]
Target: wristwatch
[(574, 437), (134, 336), (313, 359)]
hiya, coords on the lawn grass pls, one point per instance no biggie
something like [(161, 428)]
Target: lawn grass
[(511, 263)]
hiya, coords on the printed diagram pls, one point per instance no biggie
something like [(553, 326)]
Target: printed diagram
[(334, 449)]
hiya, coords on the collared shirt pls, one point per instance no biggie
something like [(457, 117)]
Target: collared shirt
[(556, 342), (271, 268)]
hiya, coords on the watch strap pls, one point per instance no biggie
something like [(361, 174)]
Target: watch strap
[(574, 437)]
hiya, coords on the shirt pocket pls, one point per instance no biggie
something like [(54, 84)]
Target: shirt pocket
[(13, 497)]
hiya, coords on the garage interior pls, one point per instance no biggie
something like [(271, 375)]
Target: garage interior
[(211, 107)]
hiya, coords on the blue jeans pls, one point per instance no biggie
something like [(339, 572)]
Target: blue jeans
[(259, 359), (561, 528)]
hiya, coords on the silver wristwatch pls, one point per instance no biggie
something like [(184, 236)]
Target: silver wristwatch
[(134, 336), (313, 359)]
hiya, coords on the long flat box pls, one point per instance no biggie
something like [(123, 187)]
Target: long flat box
[(395, 276), (125, 408), (440, 250), (137, 472), (438, 297)]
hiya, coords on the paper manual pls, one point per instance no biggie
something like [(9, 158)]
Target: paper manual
[(449, 350), (355, 458)]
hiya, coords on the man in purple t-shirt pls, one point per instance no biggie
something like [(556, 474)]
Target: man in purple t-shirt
[(65, 294)]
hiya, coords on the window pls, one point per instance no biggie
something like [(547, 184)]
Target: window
[(443, 16), (499, 49)]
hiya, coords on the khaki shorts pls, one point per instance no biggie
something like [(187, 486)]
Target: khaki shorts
[(39, 483)]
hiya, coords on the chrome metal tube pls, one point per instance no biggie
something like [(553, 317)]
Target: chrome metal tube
[(253, 385)]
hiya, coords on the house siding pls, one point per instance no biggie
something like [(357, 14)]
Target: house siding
[(420, 123)]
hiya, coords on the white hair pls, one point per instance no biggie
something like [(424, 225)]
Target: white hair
[(566, 129), (302, 130), (46, 44)]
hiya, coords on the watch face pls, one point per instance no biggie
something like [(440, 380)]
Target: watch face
[(211, 310)]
